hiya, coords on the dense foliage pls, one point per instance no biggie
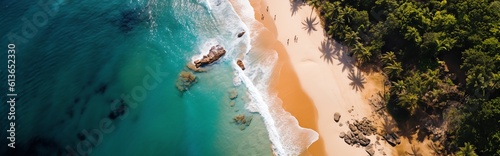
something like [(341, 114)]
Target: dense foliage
[(412, 40)]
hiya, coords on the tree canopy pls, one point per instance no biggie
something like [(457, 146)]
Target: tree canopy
[(411, 41)]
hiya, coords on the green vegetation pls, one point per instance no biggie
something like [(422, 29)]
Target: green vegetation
[(411, 40)]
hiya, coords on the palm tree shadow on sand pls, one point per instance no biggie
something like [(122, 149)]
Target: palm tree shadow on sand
[(332, 50), (328, 51), (309, 24), (346, 61), (415, 151), (296, 5), (358, 80)]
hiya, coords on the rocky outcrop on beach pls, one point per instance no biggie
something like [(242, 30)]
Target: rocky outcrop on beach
[(358, 132), (185, 80), (240, 63), (215, 53)]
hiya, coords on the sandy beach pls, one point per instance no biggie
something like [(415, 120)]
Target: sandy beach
[(314, 78)]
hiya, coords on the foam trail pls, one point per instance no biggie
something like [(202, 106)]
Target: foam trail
[(263, 110)]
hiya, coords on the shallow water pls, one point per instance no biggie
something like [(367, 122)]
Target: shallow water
[(90, 56)]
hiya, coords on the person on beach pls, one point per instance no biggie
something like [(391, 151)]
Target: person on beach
[(262, 17), (267, 9), (287, 41), (275, 17)]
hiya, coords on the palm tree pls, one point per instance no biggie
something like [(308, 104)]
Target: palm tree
[(409, 101), (467, 150), (365, 57), (314, 3), (388, 57), (348, 13), (393, 69), (431, 78), (330, 9), (351, 38), (361, 54), (399, 86)]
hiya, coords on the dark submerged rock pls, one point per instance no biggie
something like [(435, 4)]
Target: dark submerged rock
[(130, 18), (101, 89), (241, 34), (185, 80), (242, 121)]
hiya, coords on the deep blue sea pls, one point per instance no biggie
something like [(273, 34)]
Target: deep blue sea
[(98, 77)]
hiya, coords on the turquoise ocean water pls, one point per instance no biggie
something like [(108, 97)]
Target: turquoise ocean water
[(98, 77)]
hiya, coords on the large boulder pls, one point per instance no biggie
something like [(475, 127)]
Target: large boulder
[(363, 141), (336, 116), (392, 139), (215, 53)]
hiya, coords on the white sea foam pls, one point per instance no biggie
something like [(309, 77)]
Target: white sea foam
[(204, 48)]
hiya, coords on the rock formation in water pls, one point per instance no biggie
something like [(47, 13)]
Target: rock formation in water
[(240, 63), (130, 18), (215, 53), (242, 121), (185, 80), (233, 93)]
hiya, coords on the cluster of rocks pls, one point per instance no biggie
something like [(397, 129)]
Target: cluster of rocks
[(242, 121), (215, 53), (358, 132), (185, 80), (434, 128), (365, 126)]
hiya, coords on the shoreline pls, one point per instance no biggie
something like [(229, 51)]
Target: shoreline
[(285, 81), (312, 87)]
